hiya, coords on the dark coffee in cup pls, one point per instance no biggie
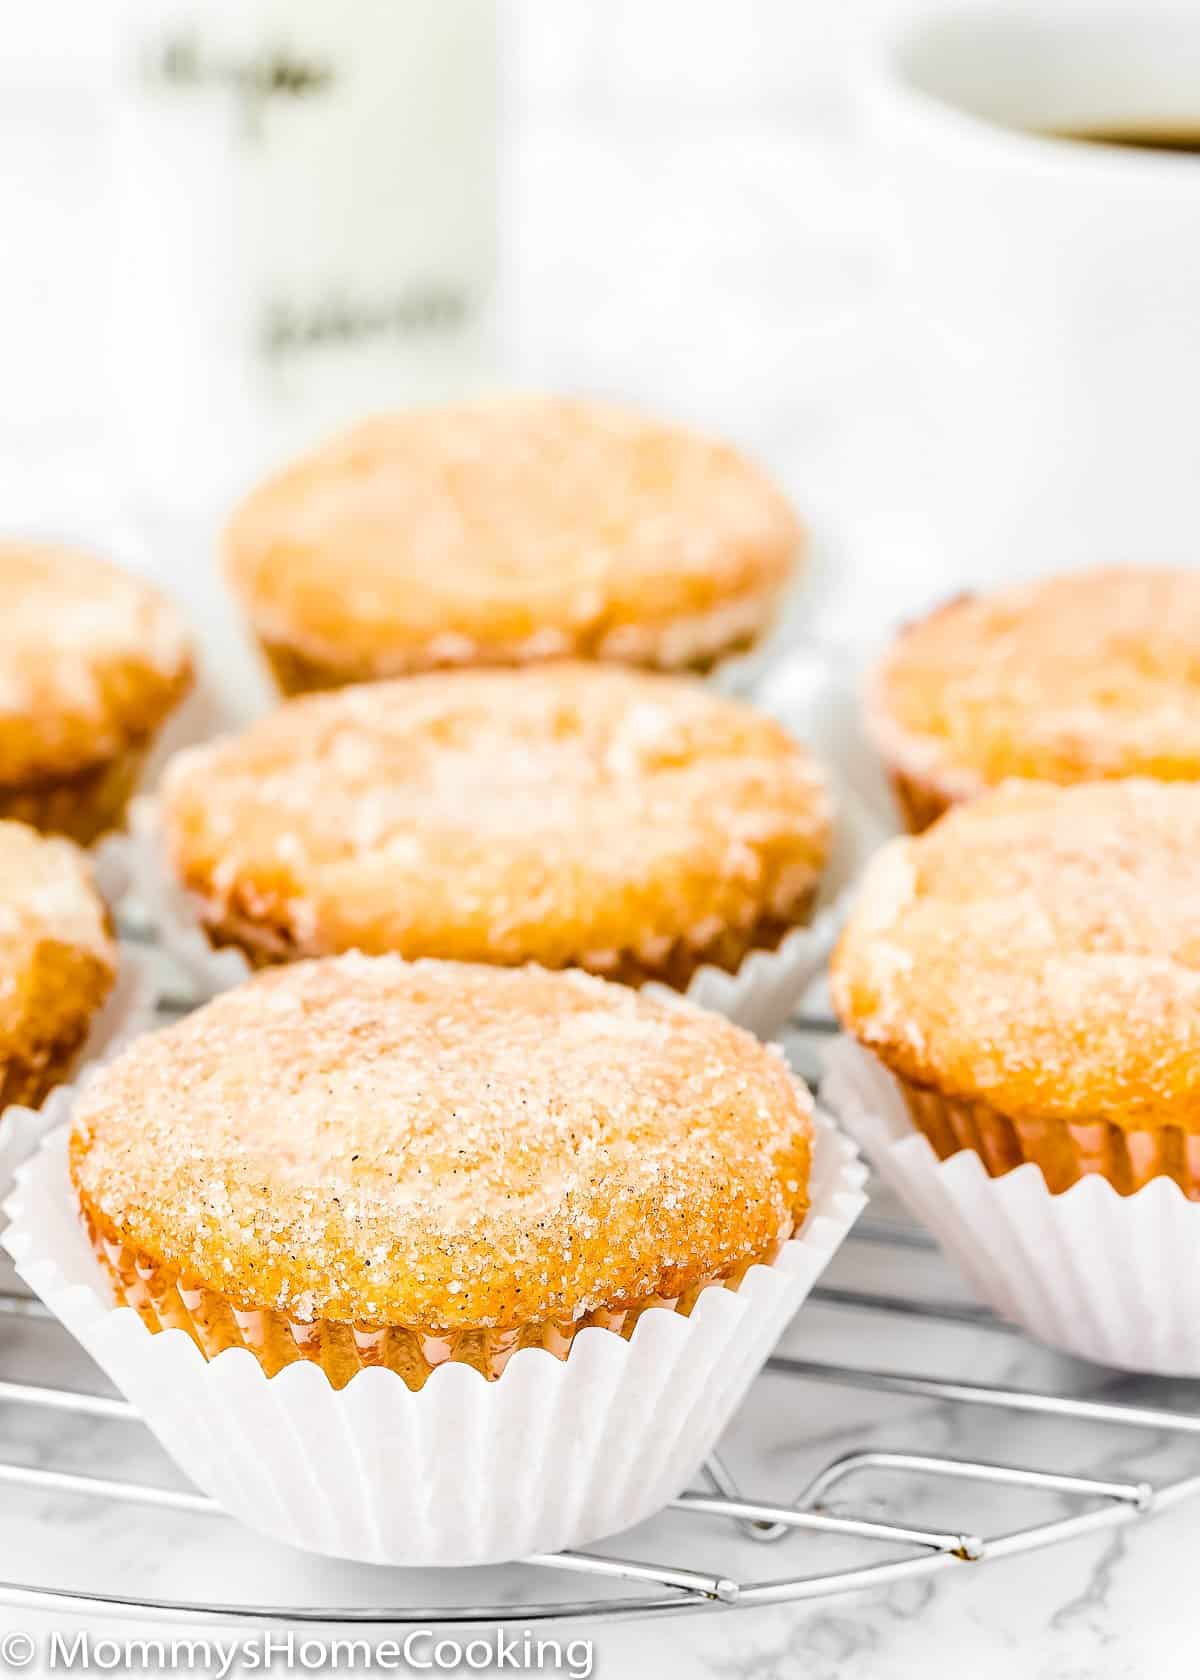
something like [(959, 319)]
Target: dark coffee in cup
[(1146, 137)]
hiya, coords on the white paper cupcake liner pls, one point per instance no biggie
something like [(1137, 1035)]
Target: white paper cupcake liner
[(1110, 1278), (760, 996), (555, 1453), (128, 1011)]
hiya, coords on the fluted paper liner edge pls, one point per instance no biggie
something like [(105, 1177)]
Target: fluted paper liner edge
[(556, 1453), (1110, 1278)]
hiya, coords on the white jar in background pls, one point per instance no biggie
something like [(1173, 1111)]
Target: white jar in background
[(305, 214)]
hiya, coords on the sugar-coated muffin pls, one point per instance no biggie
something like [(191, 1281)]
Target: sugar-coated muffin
[(58, 961), (629, 823), (92, 660), (506, 531), (1029, 970), (362, 1161), (1077, 678)]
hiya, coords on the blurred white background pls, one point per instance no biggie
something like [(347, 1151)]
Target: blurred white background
[(688, 220)]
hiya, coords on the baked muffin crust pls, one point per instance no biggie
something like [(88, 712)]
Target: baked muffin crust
[(91, 662), (572, 814), (58, 961), (506, 531), (1083, 677), (442, 1146), (1039, 951)]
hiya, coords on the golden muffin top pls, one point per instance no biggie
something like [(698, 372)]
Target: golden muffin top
[(443, 1146), (58, 960), (1039, 949), (556, 814), (91, 660), (508, 530), (1075, 678)]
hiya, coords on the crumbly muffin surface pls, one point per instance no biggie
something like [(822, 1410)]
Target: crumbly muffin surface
[(91, 661), (58, 959), (1081, 677), (564, 815), (1039, 950), (440, 1145), (511, 530)]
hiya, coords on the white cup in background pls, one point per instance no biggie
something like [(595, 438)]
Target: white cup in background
[(1051, 286)]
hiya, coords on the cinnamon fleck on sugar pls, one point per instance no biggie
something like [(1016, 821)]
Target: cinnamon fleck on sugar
[(1090, 675)]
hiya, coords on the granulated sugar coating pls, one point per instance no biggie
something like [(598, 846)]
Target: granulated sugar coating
[(1039, 950), (623, 822), (91, 660), (510, 530), (1075, 678), (58, 960), (442, 1146)]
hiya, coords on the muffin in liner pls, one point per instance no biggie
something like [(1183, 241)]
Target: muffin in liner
[(1081, 677), (758, 988), (631, 824), (509, 531), (128, 1011), (1105, 1275), (1026, 968), (95, 662), (58, 961), (560, 1450)]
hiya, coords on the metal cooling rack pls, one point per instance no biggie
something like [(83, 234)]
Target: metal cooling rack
[(672, 1586), (720, 1517)]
